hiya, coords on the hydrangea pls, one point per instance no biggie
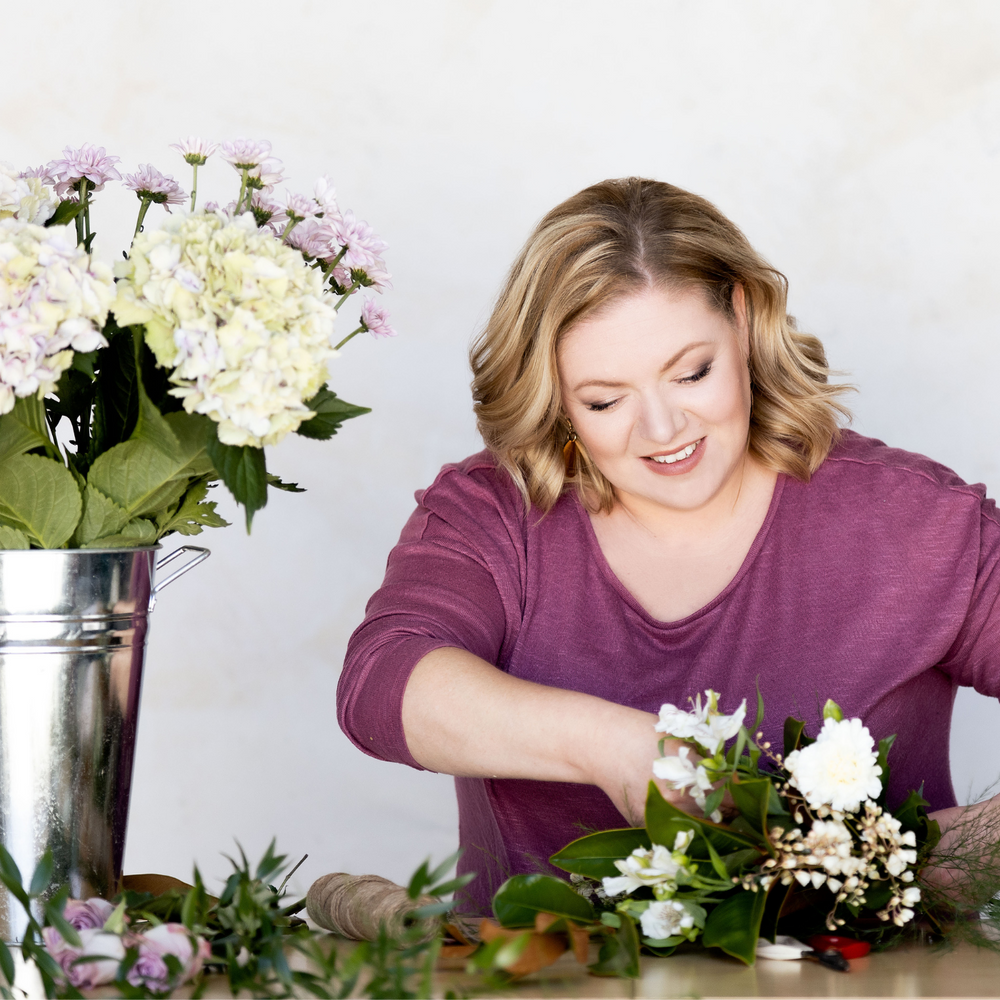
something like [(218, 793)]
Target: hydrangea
[(241, 320), (839, 770), (25, 198), (53, 301)]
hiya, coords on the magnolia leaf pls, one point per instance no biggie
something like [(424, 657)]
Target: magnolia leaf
[(243, 470), (734, 925), (138, 477), (664, 821), (101, 516), (39, 497), (795, 736), (518, 900), (619, 954), (12, 538), (595, 854), (330, 412), (193, 514), (23, 429), (831, 710)]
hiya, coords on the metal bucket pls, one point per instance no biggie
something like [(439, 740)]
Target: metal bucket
[(72, 639)]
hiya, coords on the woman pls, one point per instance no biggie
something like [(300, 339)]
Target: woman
[(665, 505)]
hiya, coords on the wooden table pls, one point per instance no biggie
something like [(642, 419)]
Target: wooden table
[(907, 971)]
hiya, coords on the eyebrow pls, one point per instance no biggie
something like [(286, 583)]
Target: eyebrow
[(605, 384)]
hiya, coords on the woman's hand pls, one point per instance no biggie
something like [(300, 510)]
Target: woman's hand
[(463, 716), (970, 836)]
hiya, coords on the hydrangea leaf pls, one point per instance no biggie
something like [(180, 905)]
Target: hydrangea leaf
[(330, 412), (244, 471), (151, 426), (193, 513), (136, 533), (101, 516), (138, 477), (39, 497), (12, 538), (193, 432), (23, 429), (595, 854)]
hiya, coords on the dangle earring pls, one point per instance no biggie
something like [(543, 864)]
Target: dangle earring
[(569, 450)]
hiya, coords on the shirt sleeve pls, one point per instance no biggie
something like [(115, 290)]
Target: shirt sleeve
[(974, 659), (454, 579)]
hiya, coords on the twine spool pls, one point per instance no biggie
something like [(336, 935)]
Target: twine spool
[(356, 906)]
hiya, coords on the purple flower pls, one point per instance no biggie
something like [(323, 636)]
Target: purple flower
[(266, 211), (194, 150), (245, 154), (362, 246), (326, 197), (90, 162), (266, 175), (148, 182), (311, 238), (300, 207), (376, 320), (84, 913), (151, 969), (105, 952)]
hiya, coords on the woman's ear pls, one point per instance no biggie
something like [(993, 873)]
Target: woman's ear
[(740, 319)]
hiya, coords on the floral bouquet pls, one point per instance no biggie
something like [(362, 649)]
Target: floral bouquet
[(125, 394), (809, 847)]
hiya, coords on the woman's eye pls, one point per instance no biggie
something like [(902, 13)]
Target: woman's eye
[(698, 375), (598, 407)]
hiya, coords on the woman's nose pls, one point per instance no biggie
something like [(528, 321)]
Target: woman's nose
[(659, 420)]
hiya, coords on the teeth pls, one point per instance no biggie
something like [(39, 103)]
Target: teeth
[(676, 456)]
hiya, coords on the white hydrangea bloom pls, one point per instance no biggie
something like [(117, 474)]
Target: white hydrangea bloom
[(25, 198), (666, 918), (839, 770), (53, 300), (242, 320), (655, 867), (704, 726)]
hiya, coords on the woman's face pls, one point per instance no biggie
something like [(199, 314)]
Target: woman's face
[(658, 390)]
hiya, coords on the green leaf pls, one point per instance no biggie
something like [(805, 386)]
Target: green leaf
[(734, 925), (42, 875), (756, 799), (7, 963), (664, 821), (139, 477), (23, 429), (330, 412), (884, 746), (794, 735), (276, 483), (12, 538), (831, 710), (595, 854), (66, 211), (39, 497), (619, 954), (84, 362), (193, 513), (116, 406), (518, 900), (101, 516), (760, 707), (193, 432), (151, 426), (10, 875), (243, 470)]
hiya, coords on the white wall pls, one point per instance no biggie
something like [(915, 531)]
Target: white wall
[(857, 143)]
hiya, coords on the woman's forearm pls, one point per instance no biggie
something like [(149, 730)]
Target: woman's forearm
[(463, 716)]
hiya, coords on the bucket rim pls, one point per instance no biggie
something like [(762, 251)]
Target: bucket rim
[(121, 548)]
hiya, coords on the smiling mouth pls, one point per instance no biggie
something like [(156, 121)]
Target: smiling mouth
[(677, 456)]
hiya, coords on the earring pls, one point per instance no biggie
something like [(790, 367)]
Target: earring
[(569, 451)]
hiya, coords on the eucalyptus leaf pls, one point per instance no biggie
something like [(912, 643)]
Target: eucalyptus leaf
[(520, 898), (12, 538), (39, 497), (595, 854)]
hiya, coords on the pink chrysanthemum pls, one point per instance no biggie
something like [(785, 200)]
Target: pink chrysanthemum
[(245, 154), (325, 196), (90, 162), (362, 247), (148, 182), (264, 177), (299, 207), (267, 211), (376, 320), (310, 238), (194, 150)]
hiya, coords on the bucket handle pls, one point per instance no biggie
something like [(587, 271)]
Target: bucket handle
[(200, 555)]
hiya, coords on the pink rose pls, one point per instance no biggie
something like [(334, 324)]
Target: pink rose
[(107, 951), (151, 970), (82, 913)]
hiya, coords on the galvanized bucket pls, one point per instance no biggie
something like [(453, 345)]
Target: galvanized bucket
[(72, 639)]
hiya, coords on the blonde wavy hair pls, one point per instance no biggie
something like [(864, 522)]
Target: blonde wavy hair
[(615, 239)]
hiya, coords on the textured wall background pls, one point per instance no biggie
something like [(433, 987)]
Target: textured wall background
[(857, 143)]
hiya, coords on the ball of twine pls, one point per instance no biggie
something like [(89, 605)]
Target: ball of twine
[(356, 906)]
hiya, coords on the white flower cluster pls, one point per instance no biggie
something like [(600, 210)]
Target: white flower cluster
[(25, 198), (240, 318), (709, 730), (657, 869), (666, 919), (53, 300)]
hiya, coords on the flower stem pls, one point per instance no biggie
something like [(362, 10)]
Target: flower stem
[(243, 191), (194, 185), (85, 198), (360, 329), (81, 187), (343, 298), (289, 226), (143, 208)]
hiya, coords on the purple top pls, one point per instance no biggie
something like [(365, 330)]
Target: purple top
[(876, 585)]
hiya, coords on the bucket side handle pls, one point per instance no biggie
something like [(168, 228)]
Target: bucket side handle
[(199, 555)]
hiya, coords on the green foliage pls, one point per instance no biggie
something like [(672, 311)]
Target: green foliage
[(619, 954), (12, 538), (40, 498), (595, 854), (330, 412), (520, 898), (244, 471), (734, 925)]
